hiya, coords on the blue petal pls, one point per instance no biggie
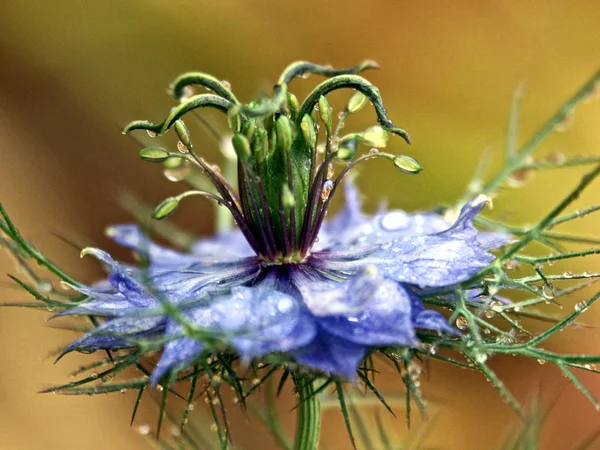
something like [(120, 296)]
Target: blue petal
[(177, 354), (367, 309), (117, 333), (427, 319), (130, 236), (257, 320), (437, 260), (226, 246), (193, 280), (351, 226), (332, 354)]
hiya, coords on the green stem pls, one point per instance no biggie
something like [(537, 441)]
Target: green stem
[(308, 428)]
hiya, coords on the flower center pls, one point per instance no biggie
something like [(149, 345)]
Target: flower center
[(287, 155)]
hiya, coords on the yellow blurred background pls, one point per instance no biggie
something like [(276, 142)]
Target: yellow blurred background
[(73, 72)]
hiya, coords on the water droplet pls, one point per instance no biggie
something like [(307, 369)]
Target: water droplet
[(395, 220), (462, 323), (541, 361), (590, 366), (489, 313), (216, 402), (108, 378), (177, 173), (321, 149), (327, 188), (214, 427), (123, 391), (256, 381), (182, 147), (568, 274), (159, 387), (519, 177), (152, 134), (226, 83), (565, 123), (547, 292), (94, 375), (45, 286), (175, 431), (592, 95), (551, 262), (580, 305), (144, 429), (481, 357), (587, 274), (373, 151), (556, 158), (216, 380)]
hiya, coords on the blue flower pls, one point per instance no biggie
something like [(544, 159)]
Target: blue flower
[(322, 293), (356, 294)]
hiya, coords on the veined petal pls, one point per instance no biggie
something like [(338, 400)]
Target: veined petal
[(121, 332), (366, 309), (177, 354), (258, 319), (226, 246), (332, 354)]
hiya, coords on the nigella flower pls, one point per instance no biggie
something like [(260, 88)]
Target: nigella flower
[(322, 293)]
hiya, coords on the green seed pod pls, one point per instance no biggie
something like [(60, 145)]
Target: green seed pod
[(165, 208), (325, 113), (233, 117), (308, 130), (356, 102), (284, 133), (375, 137), (154, 154), (241, 146), (293, 105), (287, 196), (248, 128), (347, 147), (260, 144), (407, 164), (183, 133)]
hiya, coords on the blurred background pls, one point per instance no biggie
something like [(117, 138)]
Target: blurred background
[(72, 73)]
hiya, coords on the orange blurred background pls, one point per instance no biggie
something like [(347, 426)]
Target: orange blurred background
[(72, 73)]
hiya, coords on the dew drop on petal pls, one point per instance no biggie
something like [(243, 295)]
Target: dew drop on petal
[(395, 220), (568, 274), (541, 361)]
